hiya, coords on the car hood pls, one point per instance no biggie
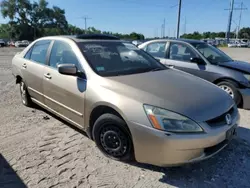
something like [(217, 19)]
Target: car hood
[(176, 91), (237, 65)]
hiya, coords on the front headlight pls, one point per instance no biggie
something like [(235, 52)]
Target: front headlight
[(169, 121), (247, 76)]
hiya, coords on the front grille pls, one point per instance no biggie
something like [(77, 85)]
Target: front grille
[(221, 120)]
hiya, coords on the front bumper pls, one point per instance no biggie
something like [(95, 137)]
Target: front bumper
[(159, 148), (245, 93)]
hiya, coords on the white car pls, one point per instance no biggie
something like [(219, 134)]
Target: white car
[(232, 45), (18, 44)]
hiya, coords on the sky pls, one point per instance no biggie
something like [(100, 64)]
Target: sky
[(146, 16)]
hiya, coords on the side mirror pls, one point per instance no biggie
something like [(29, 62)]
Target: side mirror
[(67, 69), (70, 69), (197, 60)]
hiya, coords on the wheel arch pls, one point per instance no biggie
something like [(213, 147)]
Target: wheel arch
[(239, 85), (99, 110), (226, 79)]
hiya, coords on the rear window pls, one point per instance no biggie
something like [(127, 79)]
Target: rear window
[(118, 58)]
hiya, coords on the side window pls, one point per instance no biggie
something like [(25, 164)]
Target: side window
[(62, 53), (28, 54), (157, 49), (39, 51), (181, 52)]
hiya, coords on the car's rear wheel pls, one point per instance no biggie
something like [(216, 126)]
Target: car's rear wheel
[(26, 100), (112, 137), (231, 88)]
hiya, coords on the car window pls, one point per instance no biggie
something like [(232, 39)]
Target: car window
[(157, 49), (181, 52), (212, 54), (118, 58), (62, 53), (28, 54), (39, 51)]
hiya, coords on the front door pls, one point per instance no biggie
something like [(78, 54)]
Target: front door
[(33, 68), (63, 93), (179, 57)]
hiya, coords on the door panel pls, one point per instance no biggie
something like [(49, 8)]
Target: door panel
[(65, 94), (33, 77), (33, 68), (179, 58), (199, 70)]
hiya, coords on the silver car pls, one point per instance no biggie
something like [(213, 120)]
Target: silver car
[(131, 105)]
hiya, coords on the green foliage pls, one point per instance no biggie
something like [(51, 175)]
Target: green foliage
[(206, 35), (31, 20), (244, 33)]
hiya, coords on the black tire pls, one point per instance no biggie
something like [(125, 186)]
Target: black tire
[(233, 86), (25, 97), (112, 137)]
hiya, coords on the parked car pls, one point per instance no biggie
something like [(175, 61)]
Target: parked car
[(11, 43), (18, 44), (207, 62), (2, 43), (130, 104), (232, 45), (136, 42), (23, 43)]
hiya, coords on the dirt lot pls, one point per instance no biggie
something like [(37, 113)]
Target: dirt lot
[(38, 150)]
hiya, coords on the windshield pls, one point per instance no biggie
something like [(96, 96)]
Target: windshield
[(212, 54), (118, 58)]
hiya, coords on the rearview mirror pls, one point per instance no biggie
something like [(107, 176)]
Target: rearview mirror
[(197, 60)]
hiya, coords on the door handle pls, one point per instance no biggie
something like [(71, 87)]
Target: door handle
[(24, 66), (48, 76)]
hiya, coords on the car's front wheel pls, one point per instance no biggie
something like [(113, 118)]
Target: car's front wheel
[(26, 100), (112, 137), (231, 88)]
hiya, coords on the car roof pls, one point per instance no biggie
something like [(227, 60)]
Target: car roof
[(190, 40), (176, 40), (85, 37)]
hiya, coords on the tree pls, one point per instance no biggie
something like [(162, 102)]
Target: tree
[(244, 33), (30, 20)]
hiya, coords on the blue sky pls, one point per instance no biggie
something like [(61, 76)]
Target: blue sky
[(146, 16)]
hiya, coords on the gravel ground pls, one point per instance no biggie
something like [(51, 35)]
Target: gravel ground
[(39, 150)]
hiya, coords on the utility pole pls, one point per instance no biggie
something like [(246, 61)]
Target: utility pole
[(164, 27), (241, 7), (85, 22), (230, 18), (185, 25), (178, 20)]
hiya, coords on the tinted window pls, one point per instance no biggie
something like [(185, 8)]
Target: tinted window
[(62, 53), (181, 52), (118, 58), (39, 51), (157, 49)]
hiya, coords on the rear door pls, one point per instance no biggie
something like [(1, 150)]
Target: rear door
[(33, 68), (63, 93)]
